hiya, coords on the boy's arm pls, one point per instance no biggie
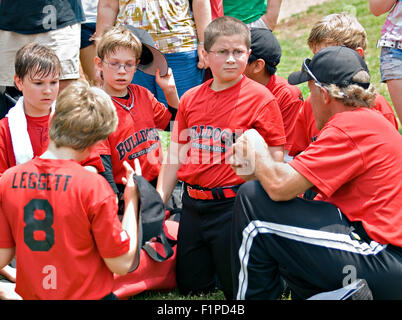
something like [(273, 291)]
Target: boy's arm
[(122, 264), (167, 178), (202, 17), (9, 273), (270, 18), (378, 7), (168, 86)]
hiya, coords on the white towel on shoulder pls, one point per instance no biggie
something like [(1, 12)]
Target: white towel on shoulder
[(17, 123)]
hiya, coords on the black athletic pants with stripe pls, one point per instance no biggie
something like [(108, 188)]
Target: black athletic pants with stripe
[(203, 246), (309, 244)]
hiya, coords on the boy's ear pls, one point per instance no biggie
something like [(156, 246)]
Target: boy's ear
[(204, 54), (18, 82), (98, 62), (360, 51), (259, 65)]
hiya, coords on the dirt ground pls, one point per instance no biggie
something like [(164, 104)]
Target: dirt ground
[(290, 7)]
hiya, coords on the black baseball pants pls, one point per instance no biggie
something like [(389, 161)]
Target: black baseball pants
[(310, 244), (203, 246)]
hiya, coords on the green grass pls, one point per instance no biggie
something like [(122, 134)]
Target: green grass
[(174, 295), (292, 35)]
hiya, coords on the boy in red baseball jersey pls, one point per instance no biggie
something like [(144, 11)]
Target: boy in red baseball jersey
[(59, 218), (119, 53), (262, 63), (338, 29), (24, 130), (209, 118)]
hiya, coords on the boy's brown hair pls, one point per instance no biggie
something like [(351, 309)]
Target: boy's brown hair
[(118, 37), (338, 29), (84, 115), (36, 59), (225, 26)]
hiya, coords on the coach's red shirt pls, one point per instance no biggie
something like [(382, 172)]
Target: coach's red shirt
[(305, 129), (356, 164)]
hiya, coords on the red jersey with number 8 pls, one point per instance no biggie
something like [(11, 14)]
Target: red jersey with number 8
[(62, 220)]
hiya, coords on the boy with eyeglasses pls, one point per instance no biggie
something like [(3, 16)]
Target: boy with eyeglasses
[(209, 119), (120, 52)]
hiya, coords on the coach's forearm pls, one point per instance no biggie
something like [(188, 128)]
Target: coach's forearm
[(280, 180)]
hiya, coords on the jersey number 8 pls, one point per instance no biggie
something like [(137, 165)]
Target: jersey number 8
[(38, 216)]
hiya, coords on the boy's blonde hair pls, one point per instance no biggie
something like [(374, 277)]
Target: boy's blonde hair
[(225, 26), (118, 37), (338, 29), (84, 115), (36, 59)]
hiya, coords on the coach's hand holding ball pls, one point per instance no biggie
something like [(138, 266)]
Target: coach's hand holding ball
[(249, 152)]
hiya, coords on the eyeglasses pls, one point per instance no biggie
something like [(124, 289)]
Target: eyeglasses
[(224, 53), (116, 66), (306, 68)]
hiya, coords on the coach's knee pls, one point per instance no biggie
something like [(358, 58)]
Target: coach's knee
[(252, 199)]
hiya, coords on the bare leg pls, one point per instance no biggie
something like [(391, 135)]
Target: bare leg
[(395, 89)]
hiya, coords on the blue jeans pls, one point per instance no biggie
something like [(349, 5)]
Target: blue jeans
[(185, 72), (391, 64)]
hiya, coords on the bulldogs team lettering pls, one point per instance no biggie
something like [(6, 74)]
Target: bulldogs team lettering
[(128, 145), (223, 136)]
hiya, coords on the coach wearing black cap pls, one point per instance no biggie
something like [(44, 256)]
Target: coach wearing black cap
[(261, 67), (353, 228)]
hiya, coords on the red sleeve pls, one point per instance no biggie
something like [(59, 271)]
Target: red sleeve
[(103, 148), (7, 158), (329, 162), (269, 124), (111, 240), (94, 160)]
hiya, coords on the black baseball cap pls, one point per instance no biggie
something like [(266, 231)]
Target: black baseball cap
[(264, 45), (332, 65), (151, 58)]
